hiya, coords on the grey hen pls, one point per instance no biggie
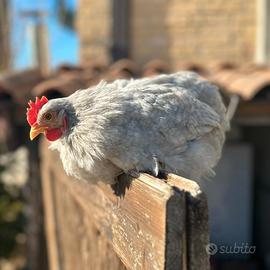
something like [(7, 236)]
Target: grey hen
[(170, 123)]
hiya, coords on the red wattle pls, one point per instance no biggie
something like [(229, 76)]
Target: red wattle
[(53, 134)]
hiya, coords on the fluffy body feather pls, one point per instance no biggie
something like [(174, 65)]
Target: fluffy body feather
[(174, 123)]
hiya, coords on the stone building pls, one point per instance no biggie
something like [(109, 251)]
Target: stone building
[(174, 30)]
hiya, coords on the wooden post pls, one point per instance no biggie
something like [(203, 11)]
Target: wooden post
[(41, 47), (4, 35), (39, 34)]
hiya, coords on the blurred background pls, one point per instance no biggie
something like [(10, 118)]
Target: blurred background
[(54, 47)]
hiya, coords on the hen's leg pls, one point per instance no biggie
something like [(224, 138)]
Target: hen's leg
[(157, 169), (155, 166)]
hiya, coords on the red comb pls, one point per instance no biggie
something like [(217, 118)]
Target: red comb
[(34, 107)]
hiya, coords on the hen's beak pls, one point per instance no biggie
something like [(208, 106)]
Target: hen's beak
[(35, 131)]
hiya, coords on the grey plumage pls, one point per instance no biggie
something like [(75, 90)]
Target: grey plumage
[(174, 123)]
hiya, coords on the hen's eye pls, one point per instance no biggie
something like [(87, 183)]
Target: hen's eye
[(48, 116)]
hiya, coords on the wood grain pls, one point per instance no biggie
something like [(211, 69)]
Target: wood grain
[(197, 227), (89, 227)]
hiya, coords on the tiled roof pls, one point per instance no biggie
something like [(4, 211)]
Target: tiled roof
[(247, 81)]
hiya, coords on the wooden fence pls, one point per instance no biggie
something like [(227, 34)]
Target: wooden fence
[(150, 224)]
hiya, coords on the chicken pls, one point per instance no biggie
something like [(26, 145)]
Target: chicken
[(170, 123)]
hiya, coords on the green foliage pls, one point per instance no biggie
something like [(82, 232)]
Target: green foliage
[(11, 218)]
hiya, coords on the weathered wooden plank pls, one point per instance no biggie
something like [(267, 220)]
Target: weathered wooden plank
[(175, 244), (134, 225), (81, 244), (49, 210), (197, 228), (35, 229)]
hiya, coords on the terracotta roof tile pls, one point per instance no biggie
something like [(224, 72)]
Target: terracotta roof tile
[(155, 67), (247, 80), (245, 84), (20, 83), (59, 86)]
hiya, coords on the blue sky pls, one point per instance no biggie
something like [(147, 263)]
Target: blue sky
[(63, 42)]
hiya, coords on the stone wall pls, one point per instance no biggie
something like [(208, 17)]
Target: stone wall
[(208, 30), (148, 31), (174, 31), (94, 27)]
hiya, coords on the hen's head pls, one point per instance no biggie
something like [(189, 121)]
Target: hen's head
[(47, 117)]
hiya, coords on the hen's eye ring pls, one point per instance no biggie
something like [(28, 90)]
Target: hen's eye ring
[(48, 116)]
